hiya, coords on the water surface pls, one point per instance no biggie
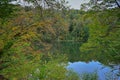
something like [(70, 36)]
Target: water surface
[(72, 49), (103, 72)]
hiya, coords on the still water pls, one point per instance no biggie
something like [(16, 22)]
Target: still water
[(103, 72), (72, 49)]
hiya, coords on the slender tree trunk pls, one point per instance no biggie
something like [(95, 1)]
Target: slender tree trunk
[(41, 9)]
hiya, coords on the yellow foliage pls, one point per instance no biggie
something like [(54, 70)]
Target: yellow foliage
[(26, 36), (14, 78), (14, 28), (1, 31), (1, 45)]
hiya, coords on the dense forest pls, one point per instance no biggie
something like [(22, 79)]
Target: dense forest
[(28, 34)]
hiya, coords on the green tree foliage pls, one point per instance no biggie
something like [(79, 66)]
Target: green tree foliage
[(29, 33), (6, 8), (48, 6), (78, 30), (104, 38), (18, 64), (97, 5), (111, 3), (21, 39)]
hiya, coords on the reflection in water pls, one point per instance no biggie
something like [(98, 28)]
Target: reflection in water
[(103, 72), (69, 47), (72, 48)]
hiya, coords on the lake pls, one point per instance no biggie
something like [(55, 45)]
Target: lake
[(103, 72), (82, 65)]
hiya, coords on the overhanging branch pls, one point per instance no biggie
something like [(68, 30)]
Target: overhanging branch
[(117, 3)]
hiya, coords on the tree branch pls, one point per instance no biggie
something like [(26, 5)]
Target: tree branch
[(117, 3)]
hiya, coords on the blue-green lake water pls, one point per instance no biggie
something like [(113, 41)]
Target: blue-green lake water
[(103, 72), (78, 65)]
